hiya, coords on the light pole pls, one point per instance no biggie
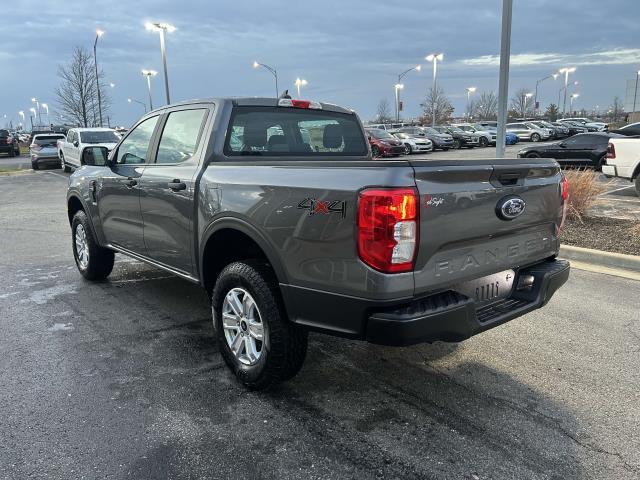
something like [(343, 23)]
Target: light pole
[(535, 99), (635, 92), (35, 100), (46, 107), (527, 96), (434, 57), (397, 87), (503, 81), (273, 72), (300, 82), (566, 72), (144, 105), (149, 74), (99, 34), (400, 77), (573, 95), (33, 114), (469, 90), (563, 89), (21, 114), (162, 28)]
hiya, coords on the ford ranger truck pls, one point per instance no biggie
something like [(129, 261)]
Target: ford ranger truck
[(277, 209)]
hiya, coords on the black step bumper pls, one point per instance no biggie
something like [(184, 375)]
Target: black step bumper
[(451, 316)]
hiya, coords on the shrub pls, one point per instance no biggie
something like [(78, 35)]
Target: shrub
[(584, 189)]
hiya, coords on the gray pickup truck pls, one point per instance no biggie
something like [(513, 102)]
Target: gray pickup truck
[(276, 207)]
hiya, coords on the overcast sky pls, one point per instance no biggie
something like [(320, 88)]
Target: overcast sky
[(349, 51)]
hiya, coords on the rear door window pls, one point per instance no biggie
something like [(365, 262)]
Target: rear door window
[(180, 136), (283, 131)]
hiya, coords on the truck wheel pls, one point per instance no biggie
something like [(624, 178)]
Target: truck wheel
[(93, 261), (63, 165), (598, 166), (638, 185), (535, 137), (255, 338)]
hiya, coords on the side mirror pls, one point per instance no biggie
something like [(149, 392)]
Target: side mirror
[(76, 143), (95, 156), (562, 145), (368, 137)]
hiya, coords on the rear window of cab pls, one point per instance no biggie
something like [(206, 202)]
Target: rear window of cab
[(285, 131)]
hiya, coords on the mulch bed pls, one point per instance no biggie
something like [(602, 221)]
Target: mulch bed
[(609, 234)]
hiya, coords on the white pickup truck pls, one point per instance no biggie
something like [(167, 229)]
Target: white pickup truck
[(70, 149), (623, 160)]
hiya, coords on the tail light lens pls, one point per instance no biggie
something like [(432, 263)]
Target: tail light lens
[(9, 140), (564, 193), (611, 150), (35, 146), (388, 228)]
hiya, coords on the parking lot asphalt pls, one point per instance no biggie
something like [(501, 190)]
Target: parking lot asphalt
[(122, 379)]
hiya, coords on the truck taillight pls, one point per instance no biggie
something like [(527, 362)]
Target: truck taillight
[(288, 102), (388, 228), (611, 150), (564, 193)]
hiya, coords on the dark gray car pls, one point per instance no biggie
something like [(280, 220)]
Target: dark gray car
[(278, 210), (442, 141)]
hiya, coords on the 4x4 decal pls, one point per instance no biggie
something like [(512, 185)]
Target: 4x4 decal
[(323, 207)]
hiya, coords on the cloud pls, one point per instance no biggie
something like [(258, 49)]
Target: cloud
[(620, 56)]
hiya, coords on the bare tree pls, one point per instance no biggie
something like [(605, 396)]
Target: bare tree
[(616, 108), (77, 95), (438, 101), (383, 114), (521, 103), (485, 107)]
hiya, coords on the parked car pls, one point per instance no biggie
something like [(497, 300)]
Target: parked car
[(623, 159), (556, 131), (442, 141), (460, 137), (575, 123), (587, 149), (590, 124), (574, 129), (630, 130), (9, 143), (510, 138), (44, 149), (70, 148), (488, 123), (383, 144), (332, 241), (386, 126), (487, 137), (528, 131), (24, 137), (414, 144)]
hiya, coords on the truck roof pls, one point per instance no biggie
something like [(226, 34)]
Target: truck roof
[(92, 129), (251, 102)]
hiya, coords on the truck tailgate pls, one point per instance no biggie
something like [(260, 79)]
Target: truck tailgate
[(462, 236)]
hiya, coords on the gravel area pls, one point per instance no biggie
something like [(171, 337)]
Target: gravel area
[(609, 234)]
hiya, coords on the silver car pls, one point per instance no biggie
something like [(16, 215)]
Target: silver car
[(528, 131), (44, 149)]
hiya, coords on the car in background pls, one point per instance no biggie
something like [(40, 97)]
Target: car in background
[(630, 130), (383, 144), (24, 137), (575, 123), (77, 139), (442, 141), (487, 137), (460, 137), (590, 124), (44, 149), (585, 149), (414, 144), (557, 131), (574, 129), (510, 138), (623, 160), (386, 126), (9, 143), (528, 131)]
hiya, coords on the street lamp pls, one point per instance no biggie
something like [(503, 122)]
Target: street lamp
[(144, 105), (149, 74), (99, 34), (112, 84), (46, 107), (417, 68), (566, 72), (434, 57), (300, 82), (535, 99), (33, 114), (398, 87), (469, 90), (21, 114), (573, 95), (162, 28), (635, 92), (272, 70), (35, 100)]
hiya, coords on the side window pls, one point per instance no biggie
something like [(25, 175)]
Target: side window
[(133, 149), (70, 137), (180, 136)]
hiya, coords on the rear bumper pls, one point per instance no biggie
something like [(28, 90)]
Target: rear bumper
[(450, 316)]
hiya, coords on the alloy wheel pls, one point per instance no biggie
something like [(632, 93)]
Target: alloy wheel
[(82, 248), (243, 327)]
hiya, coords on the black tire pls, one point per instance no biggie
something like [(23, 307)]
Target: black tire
[(34, 165), (407, 149), (484, 142), (100, 262), (598, 164), (535, 137), (375, 151), (284, 347), (533, 155), (12, 152), (638, 185), (63, 164), (17, 152), (445, 149), (457, 144)]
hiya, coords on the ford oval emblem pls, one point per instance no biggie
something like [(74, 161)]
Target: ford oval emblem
[(510, 207)]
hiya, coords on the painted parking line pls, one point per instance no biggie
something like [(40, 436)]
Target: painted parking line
[(57, 175), (617, 190)]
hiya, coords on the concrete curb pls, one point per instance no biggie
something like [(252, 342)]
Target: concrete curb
[(599, 257)]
